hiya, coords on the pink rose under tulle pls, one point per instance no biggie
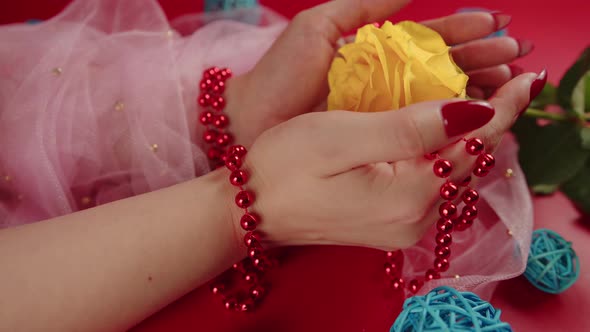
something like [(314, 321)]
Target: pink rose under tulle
[(99, 104)]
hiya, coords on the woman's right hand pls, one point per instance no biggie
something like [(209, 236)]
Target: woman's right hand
[(361, 179)]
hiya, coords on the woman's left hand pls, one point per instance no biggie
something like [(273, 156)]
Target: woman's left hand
[(291, 78)]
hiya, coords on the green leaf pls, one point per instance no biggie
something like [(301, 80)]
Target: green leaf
[(547, 97), (578, 188), (581, 95), (549, 155), (545, 189), (585, 137), (571, 78)]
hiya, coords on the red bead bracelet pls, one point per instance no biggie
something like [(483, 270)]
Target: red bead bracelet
[(212, 102), (257, 262), (251, 269)]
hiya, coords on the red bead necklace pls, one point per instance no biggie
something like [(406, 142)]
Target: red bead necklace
[(450, 220), (252, 269)]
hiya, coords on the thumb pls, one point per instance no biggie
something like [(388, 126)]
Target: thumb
[(363, 138), (308, 46)]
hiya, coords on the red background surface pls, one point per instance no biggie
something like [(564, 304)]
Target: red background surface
[(342, 289)]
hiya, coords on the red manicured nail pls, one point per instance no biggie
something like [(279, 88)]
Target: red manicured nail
[(536, 88), (538, 84), (501, 20), (524, 47), (464, 116), (515, 70)]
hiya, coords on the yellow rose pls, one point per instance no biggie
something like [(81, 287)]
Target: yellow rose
[(393, 66)]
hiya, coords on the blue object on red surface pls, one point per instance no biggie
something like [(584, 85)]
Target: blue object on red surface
[(446, 309), (553, 266), (216, 5)]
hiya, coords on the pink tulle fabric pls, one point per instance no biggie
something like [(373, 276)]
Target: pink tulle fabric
[(98, 104)]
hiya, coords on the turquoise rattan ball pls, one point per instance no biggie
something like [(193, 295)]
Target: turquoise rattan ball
[(553, 265), (445, 309)]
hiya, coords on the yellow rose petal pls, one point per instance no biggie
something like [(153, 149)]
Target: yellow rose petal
[(393, 66), (396, 89), (423, 37)]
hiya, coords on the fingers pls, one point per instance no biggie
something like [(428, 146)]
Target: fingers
[(489, 52), (452, 28), (484, 82), (494, 77), (476, 92), (333, 19), (509, 101), (308, 47), (355, 139)]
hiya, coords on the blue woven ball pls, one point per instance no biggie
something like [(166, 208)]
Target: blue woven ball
[(444, 309), (553, 265)]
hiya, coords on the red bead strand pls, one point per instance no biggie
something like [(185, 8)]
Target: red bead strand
[(442, 168), (211, 103), (448, 210), (474, 146), (252, 269), (449, 191), (470, 197)]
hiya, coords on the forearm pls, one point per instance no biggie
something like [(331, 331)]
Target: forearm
[(109, 267)]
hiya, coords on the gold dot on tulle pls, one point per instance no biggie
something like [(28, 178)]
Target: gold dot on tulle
[(86, 200), (57, 71), (509, 173), (457, 276), (7, 178), (154, 147), (509, 232), (119, 106), (170, 33)]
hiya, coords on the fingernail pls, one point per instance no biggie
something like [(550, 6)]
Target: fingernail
[(536, 88), (501, 20), (524, 47), (464, 116), (515, 70), (538, 84)]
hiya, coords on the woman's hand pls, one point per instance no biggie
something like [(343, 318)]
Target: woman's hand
[(361, 178), (291, 79)]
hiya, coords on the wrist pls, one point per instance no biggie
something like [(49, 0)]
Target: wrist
[(273, 234), (231, 214), (223, 194), (258, 262), (244, 112)]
